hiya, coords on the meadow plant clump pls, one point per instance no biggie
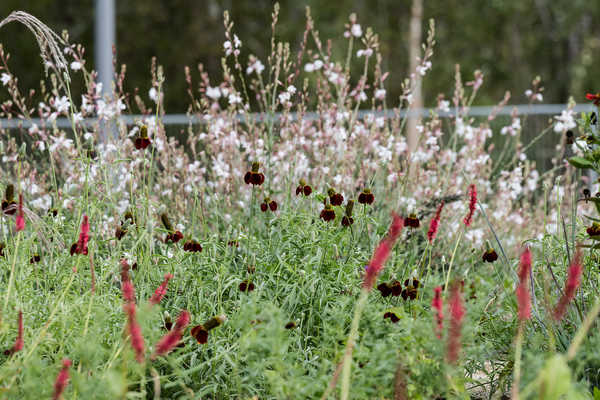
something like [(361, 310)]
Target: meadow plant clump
[(252, 228)]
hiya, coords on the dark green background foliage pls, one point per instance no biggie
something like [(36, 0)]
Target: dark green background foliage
[(511, 41)]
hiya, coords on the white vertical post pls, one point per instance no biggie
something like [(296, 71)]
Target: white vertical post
[(104, 40)]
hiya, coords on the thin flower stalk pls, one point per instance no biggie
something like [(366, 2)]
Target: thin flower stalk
[(571, 286)]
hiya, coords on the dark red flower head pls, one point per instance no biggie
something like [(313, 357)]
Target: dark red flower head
[(336, 199), (142, 141), (246, 286), (290, 325), (412, 221), (303, 188), (253, 177), (327, 213), (593, 97), (200, 332), (594, 230), (392, 316), (268, 204), (366, 197), (192, 246), (173, 236), (490, 255), (35, 259), (9, 205), (384, 289)]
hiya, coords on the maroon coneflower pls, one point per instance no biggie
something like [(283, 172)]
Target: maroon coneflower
[(411, 290), (142, 141), (392, 316), (160, 291), (438, 305), (396, 288), (62, 379), (290, 325), (268, 204), (594, 230), (9, 205), (366, 197), (435, 223), (19, 341), (347, 219), (35, 259), (327, 213), (133, 328), (489, 255), (246, 286), (336, 199), (595, 97), (253, 177), (472, 204), (384, 289), (2, 246), (522, 292), (573, 282), (20, 221), (200, 332), (382, 253), (192, 246), (412, 221), (303, 188), (172, 339), (173, 236), (457, 313)]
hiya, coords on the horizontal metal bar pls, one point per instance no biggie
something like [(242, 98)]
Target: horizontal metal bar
[(183, 119)]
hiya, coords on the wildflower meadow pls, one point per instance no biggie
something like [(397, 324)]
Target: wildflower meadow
[(291, 242)]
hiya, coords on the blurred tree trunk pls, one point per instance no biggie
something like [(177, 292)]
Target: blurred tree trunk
[(414, 53)]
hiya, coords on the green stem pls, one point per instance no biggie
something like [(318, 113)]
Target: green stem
[(360, 305), (452, 260)]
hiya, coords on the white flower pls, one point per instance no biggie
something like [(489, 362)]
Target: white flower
[(76, 65), (257, 66), (366, 52), (62, 104), (309, 67), (236, 41), (444, 106), (33, 129), (213, 92), (565, 121), (153, 94), (291, 89), (380, 94), (5, 78), (423, 68), (318, 65), (234, 98), (356, 30)]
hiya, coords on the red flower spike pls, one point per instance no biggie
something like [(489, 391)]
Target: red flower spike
[(19, 342), (472, 204), (573, 282), (522, 292), (366, 197), (84, 237), (168, 342), (593, 97), (435, 223), (160, 292), (20, 221), (438, 305), (382, 253), (457, 313), (62, 379)]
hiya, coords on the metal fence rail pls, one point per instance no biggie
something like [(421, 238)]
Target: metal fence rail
[(184, 119)]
